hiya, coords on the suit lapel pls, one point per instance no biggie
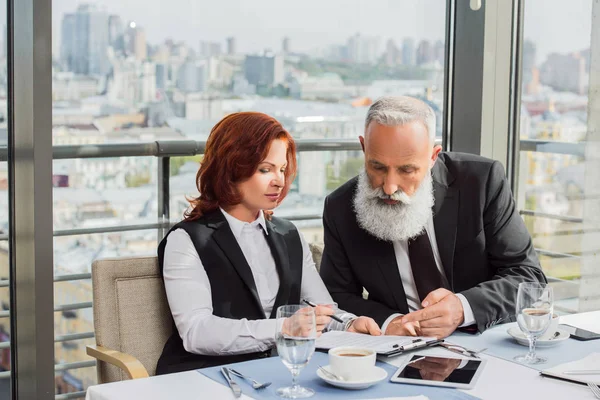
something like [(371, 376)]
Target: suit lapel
[(227, 242), (445, 217), (282, 262)]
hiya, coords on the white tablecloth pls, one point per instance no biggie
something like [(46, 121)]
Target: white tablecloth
[(500, 380)]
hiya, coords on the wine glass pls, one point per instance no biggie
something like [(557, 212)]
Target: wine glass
[(295, 337), (535, 304)]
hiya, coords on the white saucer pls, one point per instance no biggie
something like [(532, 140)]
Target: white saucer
[(377, 375), (516, 333)]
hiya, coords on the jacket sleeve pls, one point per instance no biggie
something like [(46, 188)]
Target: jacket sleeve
[(337, 274), (510, 252)]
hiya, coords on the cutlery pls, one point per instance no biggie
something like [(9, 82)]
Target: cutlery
[(235, 388), (331, 374), (556, 334), (255, 384), (594, 388), (462, 350)]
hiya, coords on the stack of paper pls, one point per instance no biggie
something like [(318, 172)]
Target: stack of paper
[(590, 363)]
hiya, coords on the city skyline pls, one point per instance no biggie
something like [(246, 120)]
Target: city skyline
[(336, 20)]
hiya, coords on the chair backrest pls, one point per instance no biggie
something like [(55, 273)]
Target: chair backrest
[(131, 312), (317, 252)]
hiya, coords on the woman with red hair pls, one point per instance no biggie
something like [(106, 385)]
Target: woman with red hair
[(230, 264)]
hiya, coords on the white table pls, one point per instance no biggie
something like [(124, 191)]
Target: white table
[(517, 381)]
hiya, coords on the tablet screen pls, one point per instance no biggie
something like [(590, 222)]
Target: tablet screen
[(440, 369)]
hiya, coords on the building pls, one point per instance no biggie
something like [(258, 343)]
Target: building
[(565, 72), (210, 49), (265, 70), (162, 76), (132, 82), (231, 46), (393, 56), (439, 52), (363, 49), (425, 53), (285, 45), (116, 31), (191, 76), (85, 41), (408, 51), (135, 42)]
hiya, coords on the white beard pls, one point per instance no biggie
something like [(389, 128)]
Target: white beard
[(401, 221)]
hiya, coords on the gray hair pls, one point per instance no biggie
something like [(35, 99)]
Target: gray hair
[(400, 110)]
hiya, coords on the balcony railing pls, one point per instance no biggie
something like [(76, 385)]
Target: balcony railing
[(164, 150)]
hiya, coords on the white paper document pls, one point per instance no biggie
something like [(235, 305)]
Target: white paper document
[(589, 363), (381, 344)]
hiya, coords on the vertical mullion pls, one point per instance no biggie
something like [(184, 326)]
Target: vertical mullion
[(30, 198)]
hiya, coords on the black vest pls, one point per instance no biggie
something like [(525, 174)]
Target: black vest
[(233, 289)]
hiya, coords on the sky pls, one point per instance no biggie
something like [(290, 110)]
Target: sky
[(553, 25)]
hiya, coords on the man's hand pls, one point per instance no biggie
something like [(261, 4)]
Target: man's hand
[(365, 325), (397, 328), (442, 313), (436, 369)]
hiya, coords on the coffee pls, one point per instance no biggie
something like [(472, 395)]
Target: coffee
[(351, 354)]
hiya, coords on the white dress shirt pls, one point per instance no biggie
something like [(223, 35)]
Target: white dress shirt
[(189, 293), (408, 280)]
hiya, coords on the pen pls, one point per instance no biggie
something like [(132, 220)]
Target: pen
[(420, 343), (583, 372), (338, 319)]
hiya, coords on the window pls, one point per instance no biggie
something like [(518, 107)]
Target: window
[(128, 73), (558, 174)]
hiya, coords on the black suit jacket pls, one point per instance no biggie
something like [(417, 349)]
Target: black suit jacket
[(483, 243), (233, 290)]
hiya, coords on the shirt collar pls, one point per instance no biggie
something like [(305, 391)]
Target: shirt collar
[(236, 225)]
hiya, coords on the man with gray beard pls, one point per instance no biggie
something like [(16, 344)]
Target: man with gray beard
[(434, 238)]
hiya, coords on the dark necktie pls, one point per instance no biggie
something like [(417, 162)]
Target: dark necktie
[(425, 271)]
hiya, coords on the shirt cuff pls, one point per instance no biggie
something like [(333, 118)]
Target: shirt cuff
[(469, 318), (387, 322)]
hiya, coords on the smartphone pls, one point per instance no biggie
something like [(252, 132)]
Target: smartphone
[(579, 334)]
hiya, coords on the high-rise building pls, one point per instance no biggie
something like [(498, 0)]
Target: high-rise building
[(424, 52), (264, 70), (285, 45), (85, 41), (439, 51), (392, 53), (364, 49), (135, 42), (210, 49), (191, 76), (408, 51), (530, 72), (162, 75), (115, 32), (231, 45)]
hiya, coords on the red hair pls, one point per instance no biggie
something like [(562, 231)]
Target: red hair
[(236, 146)]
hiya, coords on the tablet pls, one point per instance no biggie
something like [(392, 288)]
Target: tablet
[(460, 373)]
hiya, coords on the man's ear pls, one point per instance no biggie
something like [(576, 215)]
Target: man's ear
[(434, 155), (362, 142)]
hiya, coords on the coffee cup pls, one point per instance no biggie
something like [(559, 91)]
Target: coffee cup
[(552, 328), (352, 363)]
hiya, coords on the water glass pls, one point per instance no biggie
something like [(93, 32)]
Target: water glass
[(535, 306), (295, 337)]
